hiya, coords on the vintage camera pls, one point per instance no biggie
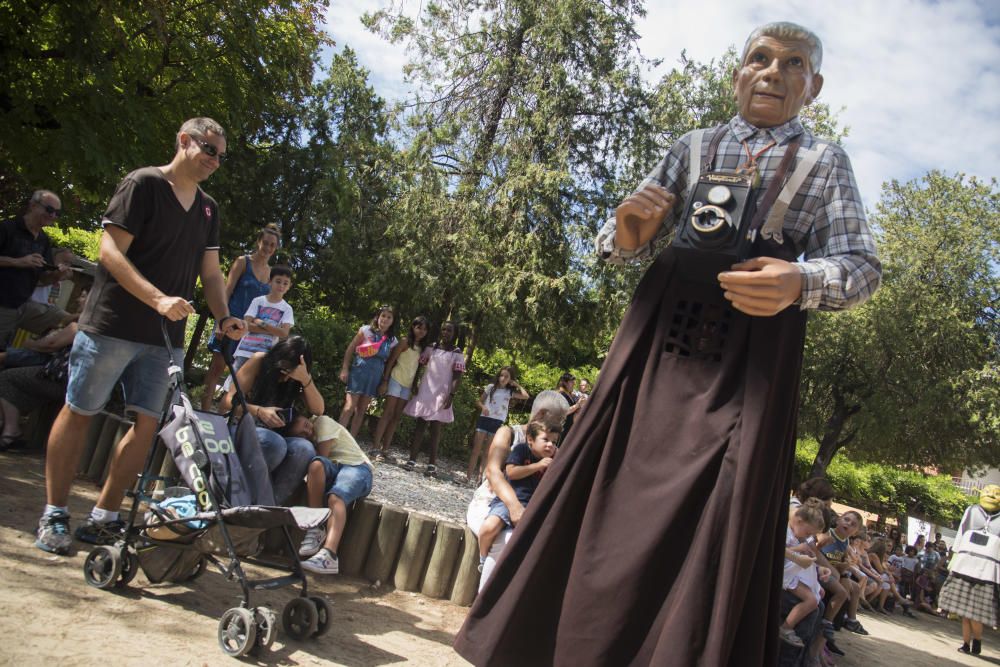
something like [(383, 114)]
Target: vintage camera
[(712, 233)]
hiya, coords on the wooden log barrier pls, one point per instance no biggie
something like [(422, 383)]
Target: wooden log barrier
[(102, 450), (361, 524), (444, 555), (385, 547), (413, 555), (123, 427), (467, 571), (93, 435)]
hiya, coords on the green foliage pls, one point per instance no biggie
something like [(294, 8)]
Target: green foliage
[(887, 490), (92, 90), (84, 243), (910, 377)]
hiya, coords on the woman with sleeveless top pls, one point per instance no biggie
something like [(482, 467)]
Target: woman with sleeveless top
[(248, 279), (398, 378)]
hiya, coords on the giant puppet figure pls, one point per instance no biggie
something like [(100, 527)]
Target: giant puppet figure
[(656, 537), (972, 589)]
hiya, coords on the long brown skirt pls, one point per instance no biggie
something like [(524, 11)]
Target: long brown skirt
[(656, 537)]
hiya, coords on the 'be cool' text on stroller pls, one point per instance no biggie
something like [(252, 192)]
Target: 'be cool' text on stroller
[(223, 515)]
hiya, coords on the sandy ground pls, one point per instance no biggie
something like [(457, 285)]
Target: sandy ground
[(48, 612)]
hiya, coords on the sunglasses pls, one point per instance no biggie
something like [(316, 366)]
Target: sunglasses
[(209, 150), (51, 210)]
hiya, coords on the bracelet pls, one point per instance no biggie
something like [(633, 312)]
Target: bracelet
[(308, 383)]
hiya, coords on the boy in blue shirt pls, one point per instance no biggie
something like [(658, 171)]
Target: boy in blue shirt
[(526, 464)]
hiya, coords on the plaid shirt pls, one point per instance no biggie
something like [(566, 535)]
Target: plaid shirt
[(825, 222)]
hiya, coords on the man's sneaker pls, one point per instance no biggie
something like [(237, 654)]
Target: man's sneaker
[(323, 562), (53, 533), (789, 637), (312, 542), (93, 532), (855, 626)]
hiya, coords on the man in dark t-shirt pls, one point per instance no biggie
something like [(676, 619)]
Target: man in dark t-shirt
[(161, 233), (25, 254)]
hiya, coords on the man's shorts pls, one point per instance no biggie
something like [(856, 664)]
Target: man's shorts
[(98, 362), (346, 482)]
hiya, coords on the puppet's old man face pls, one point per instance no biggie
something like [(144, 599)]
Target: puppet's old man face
[(775, 81)]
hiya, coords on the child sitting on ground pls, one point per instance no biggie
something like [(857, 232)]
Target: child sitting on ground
[(525, 467), (803, 524)]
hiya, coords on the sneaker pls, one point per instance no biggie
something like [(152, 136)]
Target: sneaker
[(323, 562), (410, 465), (964, 648), (431, 470), (93, 532), (312, 542), (789, 637), (855, 626), (53, 533)]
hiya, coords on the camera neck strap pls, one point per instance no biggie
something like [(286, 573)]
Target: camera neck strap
[(773, 188)]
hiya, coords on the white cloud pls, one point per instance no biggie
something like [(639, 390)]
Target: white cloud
[(920, 80)]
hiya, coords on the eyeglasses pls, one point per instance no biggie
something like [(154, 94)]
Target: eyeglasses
[(209, 150), (51, 210)]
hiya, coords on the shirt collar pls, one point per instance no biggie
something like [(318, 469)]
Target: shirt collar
[(783, 133)]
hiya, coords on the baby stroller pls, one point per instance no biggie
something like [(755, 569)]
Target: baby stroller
[(223, 515)]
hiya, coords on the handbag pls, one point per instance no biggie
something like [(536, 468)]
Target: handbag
[(56, 369), (369, 348)]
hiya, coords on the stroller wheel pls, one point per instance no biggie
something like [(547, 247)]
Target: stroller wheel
[(267, 628), (103, 567), (323, 612), (130, 567), (199, 570), (299, 618), (237, 632)]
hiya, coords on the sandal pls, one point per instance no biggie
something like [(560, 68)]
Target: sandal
[(380, 458)]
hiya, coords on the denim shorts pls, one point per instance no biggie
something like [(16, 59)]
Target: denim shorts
[(98, 362), (397, 390), (346, 482), (498, 508), (487, 425)]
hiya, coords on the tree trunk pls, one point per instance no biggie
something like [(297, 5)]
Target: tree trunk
[(832, 432)]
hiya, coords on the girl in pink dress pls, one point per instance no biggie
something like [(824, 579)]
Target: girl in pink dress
[(443, 367)]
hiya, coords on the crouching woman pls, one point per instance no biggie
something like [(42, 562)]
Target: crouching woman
[(281, 386)]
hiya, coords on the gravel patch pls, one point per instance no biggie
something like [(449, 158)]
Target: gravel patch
[(445, 496)]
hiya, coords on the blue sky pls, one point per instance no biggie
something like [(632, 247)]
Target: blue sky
[(920, 81)]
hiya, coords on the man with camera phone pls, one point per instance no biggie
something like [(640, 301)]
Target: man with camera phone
[(657, 535)]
